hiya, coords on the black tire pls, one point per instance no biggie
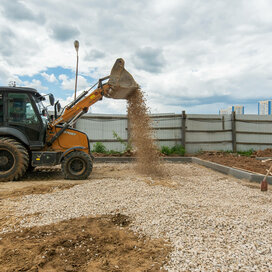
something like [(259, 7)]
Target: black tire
[(77, 165), (14, 159)]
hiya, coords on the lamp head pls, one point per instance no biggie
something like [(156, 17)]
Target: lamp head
[(76, 44)]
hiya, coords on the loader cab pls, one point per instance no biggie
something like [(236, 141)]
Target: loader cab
[(21, 115)]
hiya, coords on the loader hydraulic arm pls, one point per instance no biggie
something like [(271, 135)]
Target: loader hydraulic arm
[(75, 111), (120, 85)]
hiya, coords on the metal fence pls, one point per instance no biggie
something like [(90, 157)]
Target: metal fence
[(194, 131)]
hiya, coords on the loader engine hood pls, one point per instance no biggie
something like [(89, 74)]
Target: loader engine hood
[(121, 82)]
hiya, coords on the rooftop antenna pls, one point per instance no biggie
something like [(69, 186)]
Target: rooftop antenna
[(76, 44)]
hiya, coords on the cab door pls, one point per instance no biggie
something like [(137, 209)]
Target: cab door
[(23, 115)]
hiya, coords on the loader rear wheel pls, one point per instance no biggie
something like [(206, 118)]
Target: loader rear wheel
[(77, 165), (14, 159)]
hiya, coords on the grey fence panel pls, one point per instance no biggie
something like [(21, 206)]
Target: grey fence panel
[(116, 146), (166, 121), (100, 128), (226, 122), (204, 122), (254, 138), (167, 134), (197, 147), (208, 136), (203, 132), (255, 126), (167, 143), (167, 129), (253, 132), (208, 132)]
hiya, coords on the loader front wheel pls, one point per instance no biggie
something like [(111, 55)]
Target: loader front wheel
[(14, 159), (77, 165)]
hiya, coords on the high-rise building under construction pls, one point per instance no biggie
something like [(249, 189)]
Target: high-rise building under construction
[(264, 107), (229, 110)]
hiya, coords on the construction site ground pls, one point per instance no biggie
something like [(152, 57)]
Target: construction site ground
[(250, 163), (235, 160), (194, 219)]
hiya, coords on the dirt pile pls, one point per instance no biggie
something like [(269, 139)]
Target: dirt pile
[(147, 153), (85, 244), (236, 161), (263, 153)]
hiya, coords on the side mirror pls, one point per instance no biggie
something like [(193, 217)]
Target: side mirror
[(57, 109), (51, 99), (58, 106)]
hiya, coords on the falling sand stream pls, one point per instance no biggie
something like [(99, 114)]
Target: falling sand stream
[(147, 153)]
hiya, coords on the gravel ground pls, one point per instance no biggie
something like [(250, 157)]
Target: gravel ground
[(214, 222)]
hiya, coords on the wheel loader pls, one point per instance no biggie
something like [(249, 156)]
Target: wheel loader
[(29, 137)]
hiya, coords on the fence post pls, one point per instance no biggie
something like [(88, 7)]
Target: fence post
[(128, 130), (233, 130), (183, 129)]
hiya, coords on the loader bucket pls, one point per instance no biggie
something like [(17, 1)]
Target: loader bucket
[(121, 82)]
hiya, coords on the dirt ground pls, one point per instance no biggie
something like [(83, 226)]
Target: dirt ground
[(237, 161), (85, 244), (118, 220), (224, 158), (263, 153), (102, 243)]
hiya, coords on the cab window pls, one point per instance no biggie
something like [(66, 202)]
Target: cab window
[(20, 109)]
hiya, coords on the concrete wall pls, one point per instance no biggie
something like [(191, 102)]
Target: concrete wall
[(203, 132)]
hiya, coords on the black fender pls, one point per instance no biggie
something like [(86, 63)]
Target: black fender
[(13, 132), (72, 149)]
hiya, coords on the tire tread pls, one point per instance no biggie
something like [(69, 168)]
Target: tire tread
[(64, 165), (22, 155)]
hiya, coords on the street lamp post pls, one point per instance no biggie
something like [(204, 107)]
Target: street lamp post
[(76, 44)]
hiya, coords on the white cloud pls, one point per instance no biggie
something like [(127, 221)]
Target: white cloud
[(50, 78), (193, 51), (35, 83), (69, 83)]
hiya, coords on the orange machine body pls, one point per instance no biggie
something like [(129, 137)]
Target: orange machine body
[(70, 138)]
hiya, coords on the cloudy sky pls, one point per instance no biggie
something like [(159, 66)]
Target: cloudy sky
[(193, 55)]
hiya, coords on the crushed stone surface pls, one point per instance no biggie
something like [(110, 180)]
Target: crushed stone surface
[(214, 222)]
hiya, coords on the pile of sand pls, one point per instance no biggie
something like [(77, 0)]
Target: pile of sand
[(147, 153)]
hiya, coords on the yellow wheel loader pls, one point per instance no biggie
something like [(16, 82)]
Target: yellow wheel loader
[(29, 137)]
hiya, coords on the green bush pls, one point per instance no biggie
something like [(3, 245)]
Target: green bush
[(166, 150), (247, 153), (113, 152), (99, 148), (176, 149), (127, 145)]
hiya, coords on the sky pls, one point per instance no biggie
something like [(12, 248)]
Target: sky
[(192, 55)]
